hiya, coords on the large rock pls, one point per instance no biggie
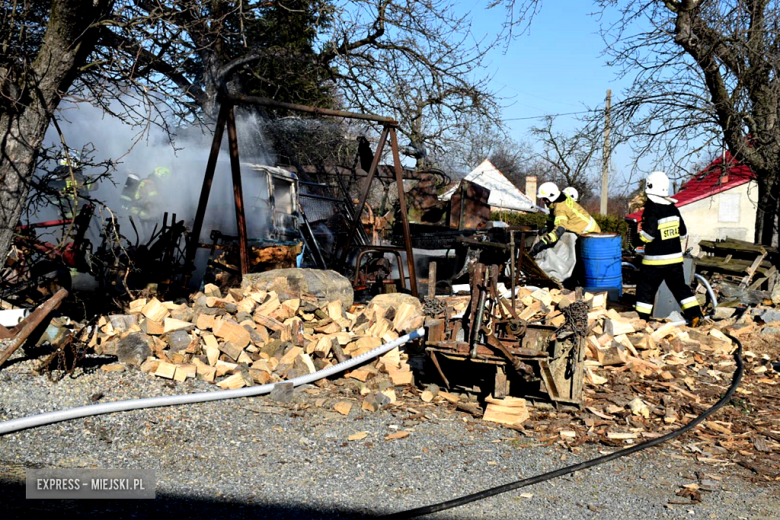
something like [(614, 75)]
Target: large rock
[(326, 286), (395, 300), (724, 313), (282, 392), (133, 349), (769, 316), (178, 340)]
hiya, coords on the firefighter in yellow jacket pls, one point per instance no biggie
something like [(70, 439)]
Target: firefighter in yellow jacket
[(568, 216), (146, 200), (71, 183)]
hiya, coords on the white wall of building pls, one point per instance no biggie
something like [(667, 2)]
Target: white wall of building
[(729, 214)]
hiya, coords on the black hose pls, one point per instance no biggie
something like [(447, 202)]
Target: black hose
[(449, 504)]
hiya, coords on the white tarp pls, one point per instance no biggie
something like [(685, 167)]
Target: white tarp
[(559, 261), (503, 194)]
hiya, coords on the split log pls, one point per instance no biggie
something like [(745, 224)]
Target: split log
[(617, 326), (237, 380), (166, 370), (510, 410), (231, 350), (231, 331), (612, 355), (154, 310), (172, 324)]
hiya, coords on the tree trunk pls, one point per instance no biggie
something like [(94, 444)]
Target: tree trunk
[(775, 217), (765, 211), (66, 46)]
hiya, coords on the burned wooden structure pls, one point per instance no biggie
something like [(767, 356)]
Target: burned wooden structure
[(19, 334), (226, 119)]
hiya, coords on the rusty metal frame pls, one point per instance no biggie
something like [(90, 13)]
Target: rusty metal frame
[(388, 131), (380, 249), (238, 191), (506, 341), (226, 118)]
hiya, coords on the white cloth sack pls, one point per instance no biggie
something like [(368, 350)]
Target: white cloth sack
[(559, 261)]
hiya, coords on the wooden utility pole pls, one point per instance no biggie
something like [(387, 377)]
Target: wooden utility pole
[(605, 156)]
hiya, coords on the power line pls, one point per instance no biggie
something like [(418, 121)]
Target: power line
[(550, 115), (542, 97)]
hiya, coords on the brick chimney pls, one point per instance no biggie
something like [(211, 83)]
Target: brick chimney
[(530, 187)]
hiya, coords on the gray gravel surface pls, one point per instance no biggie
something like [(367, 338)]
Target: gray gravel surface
[(261, 459)]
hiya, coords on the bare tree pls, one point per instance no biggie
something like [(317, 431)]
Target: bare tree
[(43, 51), (511, 159), (424, 79), (567, 159), (412, 59), (166, 62), (705, 75)]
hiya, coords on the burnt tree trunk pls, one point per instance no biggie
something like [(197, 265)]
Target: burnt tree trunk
[(35, 95)]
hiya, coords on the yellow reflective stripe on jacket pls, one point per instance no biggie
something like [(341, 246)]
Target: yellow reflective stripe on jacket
[(591, 226), (687, 303), (559, 220), (573, 206), (674, 258), (646, 237), (646, 308)]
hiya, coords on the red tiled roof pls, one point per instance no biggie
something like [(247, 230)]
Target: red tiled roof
[(707, 183)]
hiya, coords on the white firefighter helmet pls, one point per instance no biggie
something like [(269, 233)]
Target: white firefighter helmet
[(572, 193), (71, 158), (657, 184), (548, 191)]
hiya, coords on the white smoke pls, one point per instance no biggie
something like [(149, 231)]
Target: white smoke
[(186, 156)]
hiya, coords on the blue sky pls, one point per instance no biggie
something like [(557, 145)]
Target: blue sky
[(555, 67)]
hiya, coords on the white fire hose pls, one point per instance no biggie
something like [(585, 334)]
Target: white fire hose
[(202, 397), (172, 400)]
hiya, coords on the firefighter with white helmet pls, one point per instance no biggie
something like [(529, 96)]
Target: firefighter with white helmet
[(663, 231), (70, 182), (572, 193), (568, 216)]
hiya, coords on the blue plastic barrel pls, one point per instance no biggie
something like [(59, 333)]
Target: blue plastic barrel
[(600, 254)]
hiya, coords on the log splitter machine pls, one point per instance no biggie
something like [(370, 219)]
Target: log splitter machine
[(491, 340)]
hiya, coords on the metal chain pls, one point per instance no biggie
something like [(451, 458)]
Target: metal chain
[(576, 320), (433, 307), (58, 361)]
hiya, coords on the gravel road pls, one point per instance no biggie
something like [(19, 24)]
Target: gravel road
[(263, 459)]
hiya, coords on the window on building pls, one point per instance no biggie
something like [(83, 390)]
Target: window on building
[(728, 207)]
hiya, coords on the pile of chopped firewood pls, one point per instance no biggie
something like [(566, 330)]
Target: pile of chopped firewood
[(645, 379), (642, 379), (251, 336), (621, 343)]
